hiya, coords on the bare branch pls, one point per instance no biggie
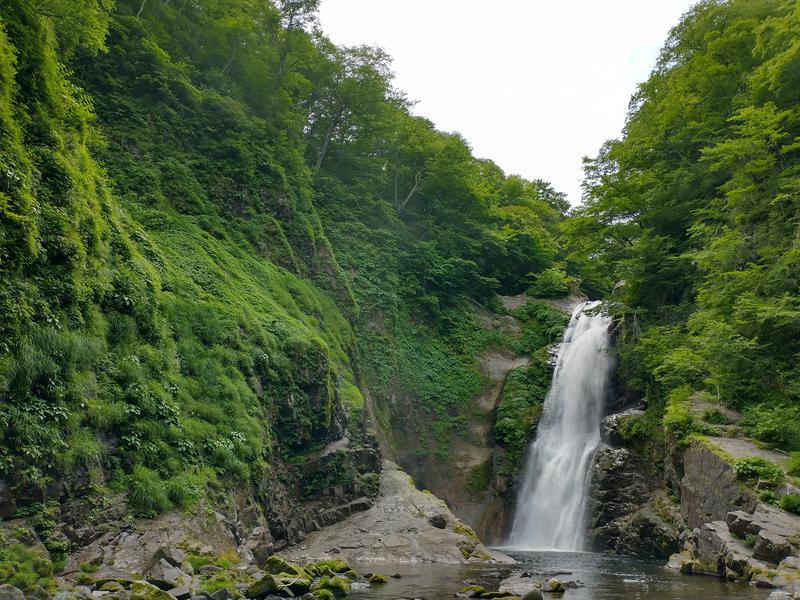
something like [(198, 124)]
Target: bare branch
[(419, 181)]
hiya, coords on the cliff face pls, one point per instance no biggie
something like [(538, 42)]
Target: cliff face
[(630, 511), (474, 466)]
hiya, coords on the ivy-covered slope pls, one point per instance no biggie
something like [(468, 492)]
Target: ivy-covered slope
[(218, 230)]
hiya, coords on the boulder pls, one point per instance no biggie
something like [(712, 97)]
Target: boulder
[(142, 590), (181, 593), (165, 576), (9, 592), (172, 555), (268, 584), (709, 489), (771, 547)]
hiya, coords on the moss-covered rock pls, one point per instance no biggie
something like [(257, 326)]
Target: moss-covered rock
[(472, 591), (297, 583), (268, 584), (378, 578), (141, 590), (323, 594), (339, 586), (111, 586), (276, 565), (337, 565)]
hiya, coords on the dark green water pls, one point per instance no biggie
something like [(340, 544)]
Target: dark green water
[(605, 577)]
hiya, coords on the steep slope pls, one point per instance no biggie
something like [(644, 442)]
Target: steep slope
[(219, 231)]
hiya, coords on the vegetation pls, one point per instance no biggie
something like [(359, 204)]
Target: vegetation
[(694, 211), (755, 469), (218, 230)]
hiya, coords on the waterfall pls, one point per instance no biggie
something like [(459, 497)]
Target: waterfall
[(551, 503)]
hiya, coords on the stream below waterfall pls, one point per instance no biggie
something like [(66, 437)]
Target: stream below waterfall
[(606, 577)]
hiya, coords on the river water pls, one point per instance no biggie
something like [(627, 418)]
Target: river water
[(605, 577)]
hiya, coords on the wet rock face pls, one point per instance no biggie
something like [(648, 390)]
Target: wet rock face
[(628, 512)]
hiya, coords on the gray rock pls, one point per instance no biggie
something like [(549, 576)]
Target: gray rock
[(627, 508), (771, 547), (165, 576), (534, 594), (223, 594), (9, 592), (172, 555), (762, 581), (209, 569), (709, 489), (181, 593)]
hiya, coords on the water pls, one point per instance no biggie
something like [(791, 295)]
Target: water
[(605, 577), (551, 502)]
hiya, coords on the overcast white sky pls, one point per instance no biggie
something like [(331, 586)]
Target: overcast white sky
[(533, 85)]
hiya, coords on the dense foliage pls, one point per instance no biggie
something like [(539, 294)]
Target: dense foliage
[(696, 211), (214, 224)]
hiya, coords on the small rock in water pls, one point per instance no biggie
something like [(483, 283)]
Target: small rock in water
[(534, 594)]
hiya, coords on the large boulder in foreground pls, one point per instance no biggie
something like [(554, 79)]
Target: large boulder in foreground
[(397, 529)]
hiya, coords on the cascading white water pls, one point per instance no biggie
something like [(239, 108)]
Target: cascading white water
[(551, 503)]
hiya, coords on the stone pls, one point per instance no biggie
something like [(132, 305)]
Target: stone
[(378, 578), (534, 594), (207, 569), (268, 584), (762, 581), (771, 547), (223, 594), (709, 488), (554, 585), (165, 576), (790, 562), (111, 586), (174, 556), (395, 530), (472, 591), (628, 512), (9, 592), (142, 590), (337, 565), (181, 593)]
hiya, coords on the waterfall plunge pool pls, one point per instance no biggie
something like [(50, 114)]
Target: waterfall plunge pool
[(606, 577)]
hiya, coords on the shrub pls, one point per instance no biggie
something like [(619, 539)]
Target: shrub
[(678, 421), (754, 468), (775, 424), (715, 416), (790, 503), (793, 466), (551, 283)]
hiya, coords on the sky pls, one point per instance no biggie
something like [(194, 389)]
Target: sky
[(533, 85)]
